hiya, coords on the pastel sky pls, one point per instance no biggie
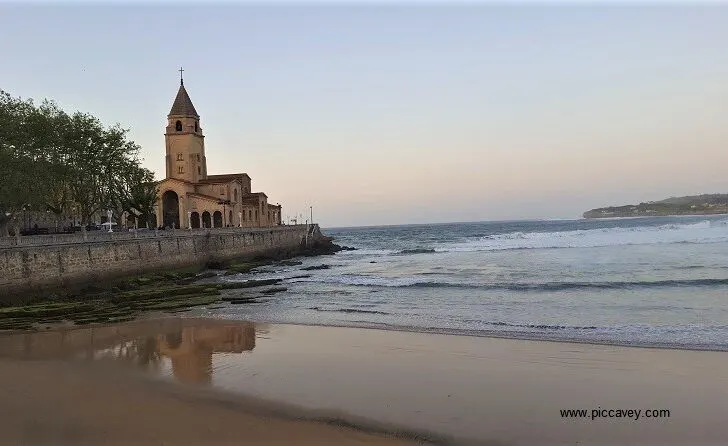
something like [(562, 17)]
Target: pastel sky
[(403, 113)]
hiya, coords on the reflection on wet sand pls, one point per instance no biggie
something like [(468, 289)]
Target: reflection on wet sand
[(187, 344)]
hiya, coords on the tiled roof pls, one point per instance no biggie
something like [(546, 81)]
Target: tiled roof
[(183, 104)]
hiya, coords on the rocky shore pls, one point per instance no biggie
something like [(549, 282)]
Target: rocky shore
[(169, 292)]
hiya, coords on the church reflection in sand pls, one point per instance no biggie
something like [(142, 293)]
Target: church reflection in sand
[(187, 344)]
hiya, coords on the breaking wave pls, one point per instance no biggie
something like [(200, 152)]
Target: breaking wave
[(410, 282), (348, 310), (706, 231)]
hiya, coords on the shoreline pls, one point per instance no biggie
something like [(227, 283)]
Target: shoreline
[(652, 216), (516, 336), (473, 334)]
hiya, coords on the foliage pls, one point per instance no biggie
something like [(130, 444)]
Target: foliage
[(68, 164)]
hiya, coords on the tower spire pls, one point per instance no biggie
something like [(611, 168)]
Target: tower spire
[(181, 80)]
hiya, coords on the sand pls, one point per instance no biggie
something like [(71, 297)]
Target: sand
[(193, 380), (56, 403)]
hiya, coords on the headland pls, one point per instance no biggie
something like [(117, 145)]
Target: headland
[(706, 204)]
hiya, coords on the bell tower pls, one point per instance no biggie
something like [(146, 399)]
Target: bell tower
[(184, 141)]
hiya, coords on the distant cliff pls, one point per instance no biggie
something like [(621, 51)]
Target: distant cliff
[(691, 205)]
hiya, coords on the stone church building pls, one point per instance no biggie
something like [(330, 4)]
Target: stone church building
[(188, 196)]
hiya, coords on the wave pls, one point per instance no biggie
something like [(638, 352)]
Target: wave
[(542, 326), (417, 251), (411, 282), (347, 310), (706, 231), (541, 237)]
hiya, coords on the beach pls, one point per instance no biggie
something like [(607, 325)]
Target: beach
[(190, 380)]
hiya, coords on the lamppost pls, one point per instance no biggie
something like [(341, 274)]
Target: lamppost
[(108, 219)]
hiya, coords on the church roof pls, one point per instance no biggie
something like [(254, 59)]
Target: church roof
[(183, 104), (225, 178)]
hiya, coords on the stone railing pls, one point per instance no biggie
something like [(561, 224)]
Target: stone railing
[(104, 236)]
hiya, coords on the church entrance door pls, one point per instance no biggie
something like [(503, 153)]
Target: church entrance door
[(206, 220), (195, 220), (170, 209), (217, 219)]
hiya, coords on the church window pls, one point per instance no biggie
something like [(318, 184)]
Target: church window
[(244, 219), (180, 157), (235, 195), (198, 157), (178, 126), (256, 214), (250, 215), (199, 170), (196, 127), (180, 169)]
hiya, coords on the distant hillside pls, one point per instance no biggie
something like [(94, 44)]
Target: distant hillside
[(705, 204)]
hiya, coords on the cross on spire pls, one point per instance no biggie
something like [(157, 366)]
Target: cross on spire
[(181, 80)]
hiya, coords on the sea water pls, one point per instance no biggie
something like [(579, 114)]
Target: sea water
[(643, 281)]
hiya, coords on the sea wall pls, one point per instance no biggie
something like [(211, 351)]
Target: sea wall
[(39, 263)]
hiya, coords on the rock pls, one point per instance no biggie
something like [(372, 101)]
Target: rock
[(324, 246)]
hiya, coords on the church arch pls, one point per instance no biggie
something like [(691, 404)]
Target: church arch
[(235, 195), (195, 220), (170, 209), (217, 219), (178, 126), (206, 222)]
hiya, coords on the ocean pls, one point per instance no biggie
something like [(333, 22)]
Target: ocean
[(659, 282)]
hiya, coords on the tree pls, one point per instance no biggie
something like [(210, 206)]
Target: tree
[(53, 161)]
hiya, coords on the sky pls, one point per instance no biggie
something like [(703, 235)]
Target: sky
[(397, 113)]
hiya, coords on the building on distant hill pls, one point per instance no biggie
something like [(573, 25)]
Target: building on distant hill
[(188, 196)]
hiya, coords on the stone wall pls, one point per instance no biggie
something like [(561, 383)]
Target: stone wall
[(26, 269)]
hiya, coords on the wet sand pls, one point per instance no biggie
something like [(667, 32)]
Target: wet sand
[(57, 403), (495, 391)]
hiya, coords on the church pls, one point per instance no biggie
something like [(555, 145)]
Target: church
[(188, 196)]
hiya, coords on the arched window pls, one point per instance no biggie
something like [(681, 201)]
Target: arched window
[(178, 126), (180, 169), (235, 195), (196, 127)]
